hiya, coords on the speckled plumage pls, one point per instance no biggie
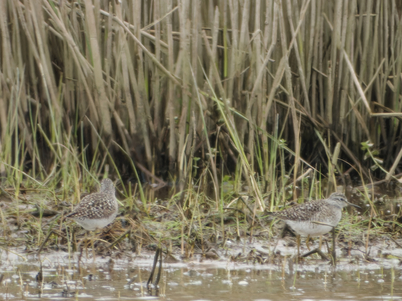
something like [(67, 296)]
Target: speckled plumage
[(97, 210), (305, 218)]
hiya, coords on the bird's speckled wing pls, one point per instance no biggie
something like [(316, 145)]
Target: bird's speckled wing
[(94, 206), (302, 212)]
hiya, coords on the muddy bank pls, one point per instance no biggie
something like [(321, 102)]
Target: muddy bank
[(208, 254), (236, 275)]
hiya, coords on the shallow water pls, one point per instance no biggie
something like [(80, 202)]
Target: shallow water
[(125, 279)]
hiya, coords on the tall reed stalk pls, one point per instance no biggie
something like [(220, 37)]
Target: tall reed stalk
[(165, 81)]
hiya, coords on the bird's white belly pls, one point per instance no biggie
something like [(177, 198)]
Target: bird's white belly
[(308, 228), (93, 224)]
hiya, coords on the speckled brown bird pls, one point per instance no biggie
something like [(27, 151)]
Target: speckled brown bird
[(315, 217), (97, 210)]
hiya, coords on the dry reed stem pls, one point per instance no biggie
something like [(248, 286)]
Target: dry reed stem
[(300, 66)]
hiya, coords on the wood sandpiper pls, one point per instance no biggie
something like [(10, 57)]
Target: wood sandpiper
[(97, 210), (315, 217)]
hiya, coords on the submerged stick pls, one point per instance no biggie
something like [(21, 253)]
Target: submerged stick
[(52, 231), (158, 250), (158, 277), (44, 242), (119, 238), (318, 251)]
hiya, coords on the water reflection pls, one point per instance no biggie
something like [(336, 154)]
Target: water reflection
[(126, 279)]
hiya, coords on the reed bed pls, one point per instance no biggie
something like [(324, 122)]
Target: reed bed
[(189, 92)]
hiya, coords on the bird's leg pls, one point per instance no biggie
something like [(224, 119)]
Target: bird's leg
[(298, 245), (96, 234), (92, 246), (320, 245), (333, 247), (307, 242), (86, 243)]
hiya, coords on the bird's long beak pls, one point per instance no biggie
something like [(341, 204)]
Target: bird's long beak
[(354, 205)]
